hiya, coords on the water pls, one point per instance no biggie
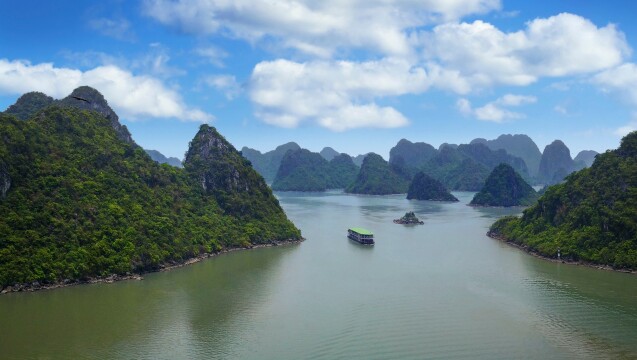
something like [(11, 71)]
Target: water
[(440, 290)]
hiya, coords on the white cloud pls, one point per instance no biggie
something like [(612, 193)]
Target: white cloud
[(225, 83), (496, 111), (317, 28), (560, 45), (338, 95), (621, 79), (131, 96)]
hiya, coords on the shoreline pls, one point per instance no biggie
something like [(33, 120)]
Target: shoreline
[(534, 253), (36, 286)]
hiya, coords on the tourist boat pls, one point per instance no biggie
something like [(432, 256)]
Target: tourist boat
[(361, 235)]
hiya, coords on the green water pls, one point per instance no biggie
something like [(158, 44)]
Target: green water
[(440, 290)]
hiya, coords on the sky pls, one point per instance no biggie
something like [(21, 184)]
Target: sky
[(355, 75)]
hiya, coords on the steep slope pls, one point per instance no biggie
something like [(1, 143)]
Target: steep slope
[(415, 155), (481, 154), (160, 158), (376, 177), (83, 203), (556, 163), (267, 164), (424, 187), (519, 145), (328, 153), (29, 104), (590, 217), (358, 159), (505, 187)]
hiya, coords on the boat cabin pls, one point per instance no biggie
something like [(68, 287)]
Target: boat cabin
[(361, 235)]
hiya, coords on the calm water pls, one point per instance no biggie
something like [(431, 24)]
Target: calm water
[(439, 290)]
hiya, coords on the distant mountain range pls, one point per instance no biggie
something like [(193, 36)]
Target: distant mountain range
[(457, 167)]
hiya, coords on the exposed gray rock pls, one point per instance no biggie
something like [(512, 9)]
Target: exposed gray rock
[(5, 180)]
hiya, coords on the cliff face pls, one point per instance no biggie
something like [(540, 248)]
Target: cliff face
[(586, 157), (556, 163)]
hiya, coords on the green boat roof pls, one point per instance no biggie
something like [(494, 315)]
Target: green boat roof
[(361, 231)]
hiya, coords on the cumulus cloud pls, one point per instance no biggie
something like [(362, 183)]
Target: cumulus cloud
[(338, 95), (496, 111), (313, 27), (560, 45), (131, 96), (212, 54)]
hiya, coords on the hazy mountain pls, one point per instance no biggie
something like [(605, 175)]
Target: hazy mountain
[(424, 187), (519, 145), (267, 164), (358, 159), (556, 163), (160, 158), (415, 155), (586, 157), (328, 153)]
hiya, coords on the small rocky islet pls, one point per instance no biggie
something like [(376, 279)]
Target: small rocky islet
[(409, 219)]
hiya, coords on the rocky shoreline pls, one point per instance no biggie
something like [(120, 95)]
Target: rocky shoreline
[(36, 286), (536, 254)]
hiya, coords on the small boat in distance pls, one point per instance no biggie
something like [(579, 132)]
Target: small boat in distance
[(360, 235)]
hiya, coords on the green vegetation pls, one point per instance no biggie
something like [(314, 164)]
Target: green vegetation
[(591, 217), (376, 177), (505, 187), (28, 104), (409, 219), (455, 171), (84, 203), (303, 170), (424, 187)]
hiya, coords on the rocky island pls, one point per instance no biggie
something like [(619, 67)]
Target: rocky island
[(505, 187), (409, 219), (424, 187)]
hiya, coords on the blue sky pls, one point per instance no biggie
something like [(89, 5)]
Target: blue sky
[(355, 75)]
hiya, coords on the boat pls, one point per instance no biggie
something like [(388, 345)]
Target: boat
[(360, 235)]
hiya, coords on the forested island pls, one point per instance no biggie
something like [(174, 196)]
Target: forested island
[(505, 187), (589, 218), (303, 170), (424, 187), (377, 177), (80, 200)]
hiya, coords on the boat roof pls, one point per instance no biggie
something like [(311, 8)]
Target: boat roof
[(361, 231)]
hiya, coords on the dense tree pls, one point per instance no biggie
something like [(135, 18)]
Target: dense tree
[(376, 177), (592, 216), (83, 202), (424, 187)]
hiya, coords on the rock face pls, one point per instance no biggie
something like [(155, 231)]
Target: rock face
[(5, 179), (586, 157), (415, 155), (358, 159), (267, 164), (556, 163), (87, 98), (590, 217), (519, 145), (376, 177), (160, 158), (505, 187), (482, 154), (28, 104), (328, 153), (409, 219), (424, 187)]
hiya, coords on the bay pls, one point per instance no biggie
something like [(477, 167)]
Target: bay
[(441, 290)]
